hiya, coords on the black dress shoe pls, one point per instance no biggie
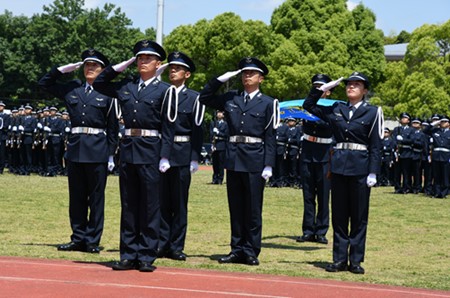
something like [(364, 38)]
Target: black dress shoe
[(72, 246), (93, 249), (125, 265), (322, 239), (252, 261), (305, 238), (230, 258), (178, 256), (356, 269), (146, 267), (336, 267)]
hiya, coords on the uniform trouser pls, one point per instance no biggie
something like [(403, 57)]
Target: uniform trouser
[(315, 184), (140, 216), (440, 176), (218, 162), (406, 171), (87, 182), (349, 204), (2, 154), (174, 208), (416, 175), (54, 152), (27, 157), (292, 162), (281, 168), (384, 174), (427, 177), (245, 200)]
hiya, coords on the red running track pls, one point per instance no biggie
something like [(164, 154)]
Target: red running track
[(26, 277)]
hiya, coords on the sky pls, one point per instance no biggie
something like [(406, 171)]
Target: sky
[(393, 16)]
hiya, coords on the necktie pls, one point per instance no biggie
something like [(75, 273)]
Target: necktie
[(352, 111), (141, 87), (247, 99), (88, 90)]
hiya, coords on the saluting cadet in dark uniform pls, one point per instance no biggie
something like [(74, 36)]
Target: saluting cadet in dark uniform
[(425, 166), (294, 134), (403, 169), (183, 160), (148, 140), (317, 140), (357, 129), (250, 155), (27, 128), (441, 156), (5, 122), (387, 158), (93, 138), (54, 129), (219, 137), (419, 147)]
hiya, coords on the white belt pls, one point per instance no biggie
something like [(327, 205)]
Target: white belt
[(441, 149), (137, 132), (181, 139), (317, 139), (351, 146), (245, 139), (87, 130)]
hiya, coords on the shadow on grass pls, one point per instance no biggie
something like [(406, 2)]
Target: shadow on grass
[(294, 246), (105, 264)]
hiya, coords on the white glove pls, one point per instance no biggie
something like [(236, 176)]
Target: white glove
[(215, 130), (434, 123), (161, 69), (123, 65), (371, 180), (67, 129), (226, 76), (399, 138), (47, 129), (111, 163), (267, 172), (194, 166), (70, 67), (14, 128), (431, 140), (330, 85), (120, 135), (21, 128), (39, 125), (164, 165)]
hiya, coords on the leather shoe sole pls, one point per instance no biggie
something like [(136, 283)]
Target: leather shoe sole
[(336, 267), (178, 256), (230, 258), (306, 238), (125, 265), (252, 261), (146, 267), (93, 249), (356, 269), (72, 246)]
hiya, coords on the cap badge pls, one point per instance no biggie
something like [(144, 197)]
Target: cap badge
[(248, 60), (176, 55)]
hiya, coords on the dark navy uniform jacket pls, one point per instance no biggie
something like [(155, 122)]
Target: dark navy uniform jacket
[(144, 110), (220, 139), (282, 139), (316, 152), (441, 139), (254, 119), (185, 126), (5, 122), (29, 124), (85, 110), (405, 148), (355, 130), (388, 149), (294, 135), (419, 144)]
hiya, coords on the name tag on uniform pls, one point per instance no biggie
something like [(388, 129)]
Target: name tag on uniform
[(99, 99), (233, 105), (73, 96), (338, 114)]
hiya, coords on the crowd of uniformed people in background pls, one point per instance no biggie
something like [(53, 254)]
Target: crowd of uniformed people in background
[(415, 155)]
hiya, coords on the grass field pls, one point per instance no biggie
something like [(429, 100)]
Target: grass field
[(408, 240)]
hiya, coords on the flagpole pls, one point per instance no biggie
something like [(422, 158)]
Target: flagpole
[(159, 25)]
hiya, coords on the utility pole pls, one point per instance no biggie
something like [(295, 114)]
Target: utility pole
[(159, 25)]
